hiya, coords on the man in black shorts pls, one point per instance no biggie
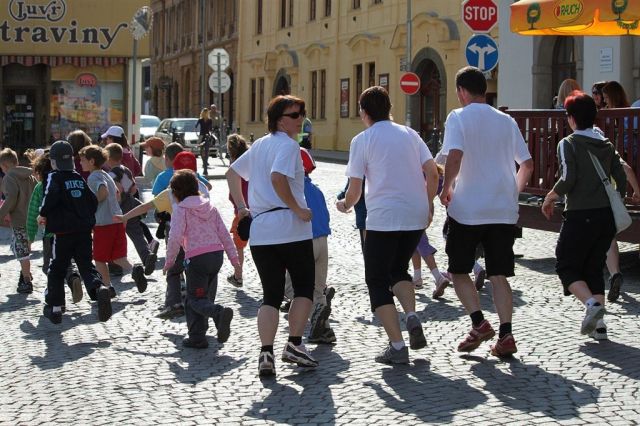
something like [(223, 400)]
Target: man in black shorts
[(481, 195)]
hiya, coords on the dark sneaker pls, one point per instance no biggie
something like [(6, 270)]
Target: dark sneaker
[(285, 307), (112, 292), (54, 317), (591, 316), (328, 337), (329, 293), (441, 284), (75, 282), (476, 336), (266, 364), (115, 270), (104, 304), (298, 355), (138, 277), (600, 333), (393, 356), (319, 318), (188, 342), (615, 283), (236, 282), (150, 261), (25, 287), (171, 312), (504, 347), (224, 324), (479, 281), (416, 335)]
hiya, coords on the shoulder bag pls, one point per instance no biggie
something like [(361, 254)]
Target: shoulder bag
[(620, 214)]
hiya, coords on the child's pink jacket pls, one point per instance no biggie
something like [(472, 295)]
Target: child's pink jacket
[(197, 226)]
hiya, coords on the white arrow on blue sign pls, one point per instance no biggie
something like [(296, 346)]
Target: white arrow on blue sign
[(482, 52)]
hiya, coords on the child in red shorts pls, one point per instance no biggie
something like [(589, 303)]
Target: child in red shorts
[(109, 238)]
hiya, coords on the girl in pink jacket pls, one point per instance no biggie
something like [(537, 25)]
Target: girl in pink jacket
[(197, 226)]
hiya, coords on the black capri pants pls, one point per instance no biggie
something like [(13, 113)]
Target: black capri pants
[(272, 262), (581, 253), (386, 260)]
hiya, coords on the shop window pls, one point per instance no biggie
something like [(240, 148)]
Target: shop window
[(371, 72), (260, 98), (323, 94), (358, 89), (564, 62)]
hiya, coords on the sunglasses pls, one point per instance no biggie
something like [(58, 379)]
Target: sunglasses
[(295, 115)]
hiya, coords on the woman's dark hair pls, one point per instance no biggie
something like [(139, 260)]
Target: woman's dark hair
[(78, 140), (184, 183), (236, 146), (582, 108), (276, 109), (376, 103), (616, 94), (596, 89), (472, 80)]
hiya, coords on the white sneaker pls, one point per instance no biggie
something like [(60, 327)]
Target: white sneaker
[(417, 282), (600, 333), (298, 355), (591, 316)]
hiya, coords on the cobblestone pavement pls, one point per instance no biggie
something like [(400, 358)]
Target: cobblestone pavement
[(133, 369)]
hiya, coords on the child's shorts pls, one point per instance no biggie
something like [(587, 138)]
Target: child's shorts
[(424, 248), (20, 243), (234, 231), (109, 242)]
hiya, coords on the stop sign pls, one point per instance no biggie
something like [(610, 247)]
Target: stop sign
[(410, 83), (480, 15)]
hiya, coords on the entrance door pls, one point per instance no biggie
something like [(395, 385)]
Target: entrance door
[(430, 120), (19, 119)]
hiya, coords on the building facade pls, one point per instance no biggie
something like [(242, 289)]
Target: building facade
[(177, 77), (65, 65), (328, 52)]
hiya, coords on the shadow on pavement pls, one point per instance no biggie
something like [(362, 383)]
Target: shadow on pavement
[(248, 305), (17, 302), (529, 388), (545, 265), (193, 365), (622, 359), (57, 352), (315, 403), (412, 385)]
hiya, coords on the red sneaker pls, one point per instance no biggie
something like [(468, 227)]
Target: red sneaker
[(504, 347), (477, 335)]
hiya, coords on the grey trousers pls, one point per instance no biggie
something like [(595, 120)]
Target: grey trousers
[(202, 282), (134, 229)]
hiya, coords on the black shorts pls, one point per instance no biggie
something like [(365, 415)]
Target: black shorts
[(497, 241)]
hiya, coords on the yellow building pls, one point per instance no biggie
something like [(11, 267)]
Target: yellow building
[(327, 52), (65, 65)]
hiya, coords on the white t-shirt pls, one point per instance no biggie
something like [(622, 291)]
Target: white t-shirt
[(391, 157), (273, 153), (485, 190)]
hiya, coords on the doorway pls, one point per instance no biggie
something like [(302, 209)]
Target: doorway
[(20, 119), (430, 103)]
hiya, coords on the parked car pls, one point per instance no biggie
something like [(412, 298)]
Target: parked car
[(183, 131), (148, 126)]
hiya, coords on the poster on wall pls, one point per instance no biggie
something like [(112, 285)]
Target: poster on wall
[(383, 80), (344, 98)]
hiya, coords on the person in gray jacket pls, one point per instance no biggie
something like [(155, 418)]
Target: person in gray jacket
[(588, 226)]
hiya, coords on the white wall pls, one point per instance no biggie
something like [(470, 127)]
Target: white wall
[(622, 49), (515, 64)]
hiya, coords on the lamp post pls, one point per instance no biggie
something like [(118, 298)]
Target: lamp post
[(140, 26)]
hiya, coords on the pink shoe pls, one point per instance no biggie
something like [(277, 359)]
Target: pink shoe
[(477, 335), (441, 284)]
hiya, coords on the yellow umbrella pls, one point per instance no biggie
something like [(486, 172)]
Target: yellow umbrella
[(576, 17)]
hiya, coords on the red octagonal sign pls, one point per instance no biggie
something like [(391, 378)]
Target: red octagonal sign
[(410, 83), (480, 15)]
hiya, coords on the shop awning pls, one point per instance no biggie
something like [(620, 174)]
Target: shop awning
[(576, 17), (54, 61)]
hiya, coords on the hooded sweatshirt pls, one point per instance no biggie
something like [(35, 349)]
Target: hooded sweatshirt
[(131, 162), (579, 180), (197, 226), (17, 187)]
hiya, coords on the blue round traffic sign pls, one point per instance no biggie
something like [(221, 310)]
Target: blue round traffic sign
[(482, 52)]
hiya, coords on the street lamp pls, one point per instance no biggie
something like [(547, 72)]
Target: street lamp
[(140, 27)]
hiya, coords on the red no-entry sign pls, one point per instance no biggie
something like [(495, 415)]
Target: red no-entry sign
[(480, 15), (410, 83)]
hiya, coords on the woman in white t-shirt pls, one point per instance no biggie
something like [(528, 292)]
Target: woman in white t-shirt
[(395, 161), (280, 236)]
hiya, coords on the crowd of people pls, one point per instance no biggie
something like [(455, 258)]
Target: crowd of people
[(85, 198)]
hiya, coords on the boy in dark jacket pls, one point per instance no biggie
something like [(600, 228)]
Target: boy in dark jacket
[(68, 211)]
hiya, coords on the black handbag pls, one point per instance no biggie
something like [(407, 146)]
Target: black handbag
[(244, 225)]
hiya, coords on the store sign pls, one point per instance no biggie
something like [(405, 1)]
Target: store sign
[(86, 80), (69, 27)]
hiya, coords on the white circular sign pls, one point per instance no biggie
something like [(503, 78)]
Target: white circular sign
[(218, 56), (141, 22), (219, 82)]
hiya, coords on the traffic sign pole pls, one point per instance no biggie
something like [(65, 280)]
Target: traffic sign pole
[(222, 135)]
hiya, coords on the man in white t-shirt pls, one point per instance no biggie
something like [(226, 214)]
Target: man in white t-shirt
[(395, 161), (480, 191)]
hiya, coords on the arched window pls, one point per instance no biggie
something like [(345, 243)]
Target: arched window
[(564, 62)]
